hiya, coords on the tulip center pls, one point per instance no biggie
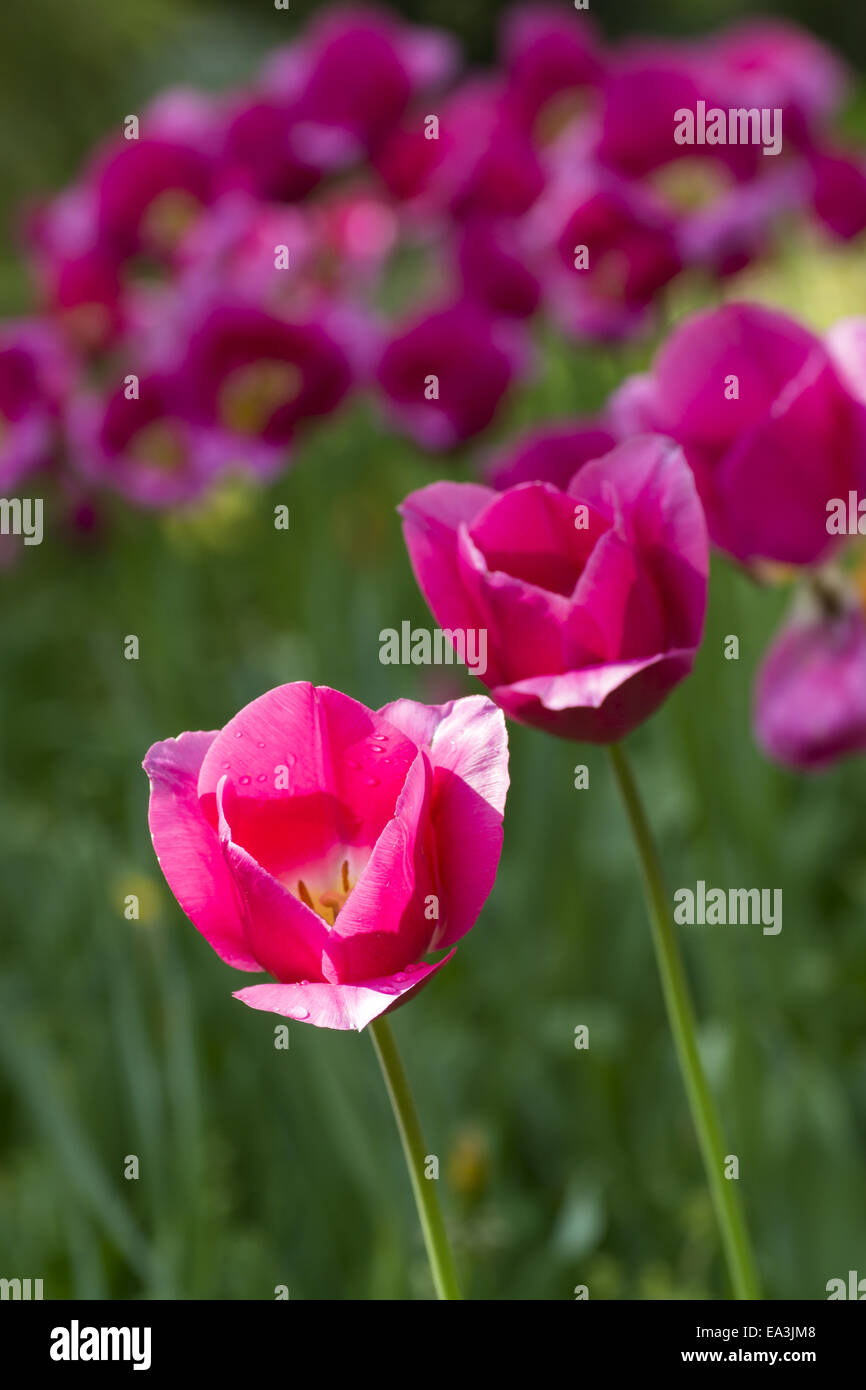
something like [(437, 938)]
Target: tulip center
[(159, 444), (169, 216), (690, 184), (327, 903), (251, 394)]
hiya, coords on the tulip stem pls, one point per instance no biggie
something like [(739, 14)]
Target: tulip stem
[(429, 1211), (681, 1016)]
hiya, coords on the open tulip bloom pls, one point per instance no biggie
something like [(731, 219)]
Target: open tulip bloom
[(592, 597), (334, 847)]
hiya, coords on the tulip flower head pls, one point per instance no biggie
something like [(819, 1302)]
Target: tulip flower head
[(332, 845), (810, 693), (592, 596)]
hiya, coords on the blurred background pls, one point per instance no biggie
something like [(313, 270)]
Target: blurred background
[(262, 1167)]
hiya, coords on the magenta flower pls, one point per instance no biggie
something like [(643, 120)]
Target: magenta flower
[(739, 225), (147, 192), (646, 83), (148, 449), (760, 409), (259, 376), (35, 375), (549, 57), (611, 247), (445, 373), (355, 71), (331, 845), (265, 151), (774, 64), (810, 693), (592, 598), (552, 455), (493, 268), (838, 190), (483, 162)]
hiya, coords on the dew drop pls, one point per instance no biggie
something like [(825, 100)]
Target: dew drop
[(227, 767), (262, 777), (377, 748), (244, 781), (301, 1014), (303, 982), (371, 781), (260, 743), (239, 733)]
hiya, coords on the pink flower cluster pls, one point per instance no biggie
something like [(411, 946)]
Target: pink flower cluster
[(208, 287), (771, 420)]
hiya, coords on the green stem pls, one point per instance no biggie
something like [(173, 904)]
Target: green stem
[(429, 1211), (732, 1226)]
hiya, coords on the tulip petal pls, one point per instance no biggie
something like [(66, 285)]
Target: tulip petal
[(468, 745), (188, 849), (432, 517), (340, 1006), (382, 924), (299, 760), (289, 939), (599, 704)]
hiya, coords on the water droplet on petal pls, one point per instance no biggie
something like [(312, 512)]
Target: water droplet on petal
[(245, 781), (301, 1014), (260, 743), (377, 748), (371, 781), (239, 733), (262, 777)]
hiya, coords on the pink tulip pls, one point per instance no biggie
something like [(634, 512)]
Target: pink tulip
[(331, 845), (149, 450), (771, 63), (608, 247), (839, 190), (549, 55), (354, 71), (147, 191), (646, 83), (265, 152), (258, 375), (810, 694), (443, 374), (493, 268), (764, 418), (35, 375), (483, 163), (592, 598)]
